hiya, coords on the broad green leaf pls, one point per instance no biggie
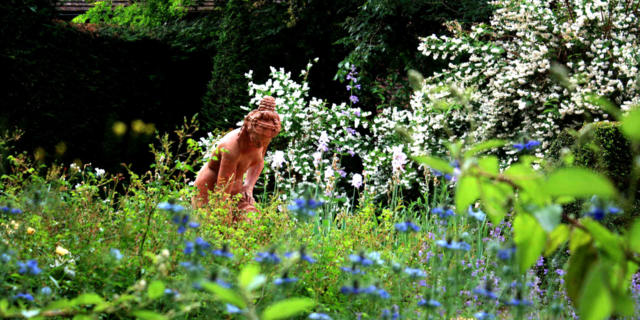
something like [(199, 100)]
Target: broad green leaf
[(634, 236), (87, 298), (224, 294), (549, 216), (604, 239), (250, 277), (530, 240), (623, 305), (494, 198), (484, 146), (82, 317), (579, 238), (580, 262), (556, 238), (287, 308), (467, 191), (596, 302), (59, 304), (155, 290), (529, 181), (434, 163), (490, 164), (148, 315), (631, 125), (578, 182)]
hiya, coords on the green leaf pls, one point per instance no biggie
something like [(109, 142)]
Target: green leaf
[(494, 198), (596, 302), (4, 305), (530, 240), (225, 295), (467, 191), (579, 238), (490, 164), (549, 216), (155, 289), (631, 125), (82, 317), (434, 163), (250, 278), (484, 146), (556, 238), (59, 304), (580, 261), (578, 182), (610, 243), (287, 308), (148, 315), (634, 236), (87, 298)]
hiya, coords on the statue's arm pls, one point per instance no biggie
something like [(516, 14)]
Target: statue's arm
[(253, 173), (205, 182)]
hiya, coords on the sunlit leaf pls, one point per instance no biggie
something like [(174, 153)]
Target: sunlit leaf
[(610, 243), (596, 302), (250, 277), (634, 236), (87, 298), (631, 125), (155, 290), (467, 191), (549, 216), (530, 240), (148, 315), (434, 163), (580, 262), (225, 295), (287, 308), (556, 238), (578, 182), (484, 146)]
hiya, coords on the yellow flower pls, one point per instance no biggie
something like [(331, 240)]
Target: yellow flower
[(61, 251), (31, 231)]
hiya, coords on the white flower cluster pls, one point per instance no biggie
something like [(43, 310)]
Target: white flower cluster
[(507, 65), (316, 136)]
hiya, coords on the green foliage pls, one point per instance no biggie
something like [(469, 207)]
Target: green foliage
[(143, 13)]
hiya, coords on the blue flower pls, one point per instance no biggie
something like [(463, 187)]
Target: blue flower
[(360, 259), (414, 272), (483, 316), (301, 254), (529, 145), (431, 303), (319, 316), (404, 226), (30, 266), (115, 253), (352, 270), (284, 280), (223, 252), (5, 209), (199, 245), (478, 215), (45, 291), (233, 309), (191, 267), (305, 207), (454, 245), (599, 209), (506, 254), (171, 293), (183, 222), (355, 289), (5, 257), (442, 213), (25, 296), (268, 257), (383, 294), (168, 206), (485, 292), (518, 302)]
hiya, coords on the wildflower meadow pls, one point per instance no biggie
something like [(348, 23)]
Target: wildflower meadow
[(450, 205)]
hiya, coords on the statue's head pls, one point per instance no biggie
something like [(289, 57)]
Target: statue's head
[(262, 124)]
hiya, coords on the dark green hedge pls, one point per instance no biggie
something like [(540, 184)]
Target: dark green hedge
[(601, 147)]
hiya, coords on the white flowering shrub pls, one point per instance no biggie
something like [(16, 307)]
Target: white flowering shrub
[(315, 136), (504, 70)]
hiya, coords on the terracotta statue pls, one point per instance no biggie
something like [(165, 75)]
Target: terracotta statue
[(240, 151)]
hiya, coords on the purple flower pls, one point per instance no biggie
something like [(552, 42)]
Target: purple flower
[(351, 131), (353, 99), (348, 87)]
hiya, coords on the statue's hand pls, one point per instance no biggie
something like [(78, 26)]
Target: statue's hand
[(247, 196)]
